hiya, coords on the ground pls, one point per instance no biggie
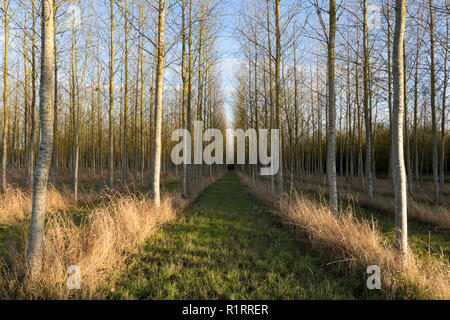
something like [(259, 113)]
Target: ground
[(227, 245)]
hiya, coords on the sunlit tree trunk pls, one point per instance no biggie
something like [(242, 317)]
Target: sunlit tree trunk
[(331, 156), (158, 105), (34, 254), (5, 100), (401, 205)]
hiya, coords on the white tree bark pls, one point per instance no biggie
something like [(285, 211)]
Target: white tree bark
[(158, 106), (34, 253), (5, 102), (331, 156), (401, 205)]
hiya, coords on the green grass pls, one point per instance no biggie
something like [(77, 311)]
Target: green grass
[(228, 246)]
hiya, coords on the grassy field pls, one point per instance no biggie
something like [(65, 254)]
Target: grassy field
[(227, 245)]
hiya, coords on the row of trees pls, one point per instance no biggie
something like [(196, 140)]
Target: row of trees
[(350, 113), (115, 79), (105, 74), (363, 85)]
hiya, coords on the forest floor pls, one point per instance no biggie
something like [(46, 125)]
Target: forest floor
[(228, 245)]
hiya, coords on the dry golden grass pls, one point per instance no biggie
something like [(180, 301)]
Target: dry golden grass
[(423, 193), (438, 216), (359, 244), (98, 246), (15, 204)]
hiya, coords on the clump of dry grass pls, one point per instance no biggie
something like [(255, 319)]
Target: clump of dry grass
[(438, 216), (98, 246), (15, 204), (360, 244)]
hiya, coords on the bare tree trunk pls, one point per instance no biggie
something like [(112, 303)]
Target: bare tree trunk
[(158, 105), (26, 100), (99, 119), (331, 157), (388, 15), (55, 108), (125, 102), (74, 92), (185, 182), (34, 254), (272, 178), (189, 98), (433, 105), (367, 116), (400, 192), (5, 101), (200, 76), (32, 141), (409, 181), (278, 92), (141, 94), (444, 98), (416, 104), (111, 101)]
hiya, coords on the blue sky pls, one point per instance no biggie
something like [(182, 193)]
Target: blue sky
[(228, 47)]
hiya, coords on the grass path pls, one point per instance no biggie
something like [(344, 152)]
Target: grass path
[(228, 246)]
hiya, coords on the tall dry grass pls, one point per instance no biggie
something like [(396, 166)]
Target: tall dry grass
[(359, 244), (99, 245), (423, 193), (438, 216), (15, 204)]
